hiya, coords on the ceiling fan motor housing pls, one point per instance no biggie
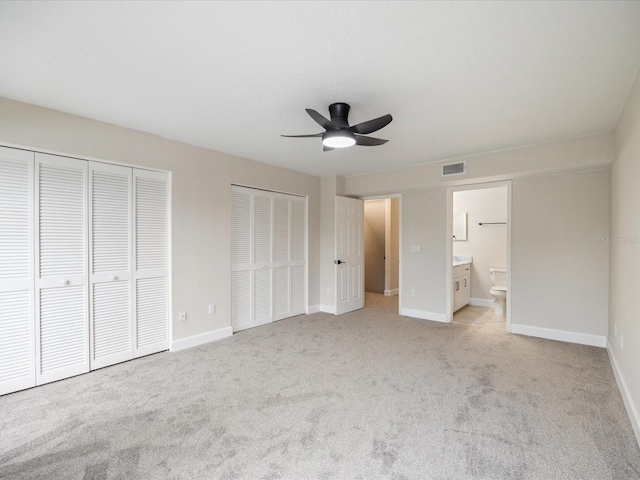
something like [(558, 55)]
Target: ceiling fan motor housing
[(339, 114)]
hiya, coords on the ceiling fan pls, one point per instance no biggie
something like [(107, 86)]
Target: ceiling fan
[(338, 132)]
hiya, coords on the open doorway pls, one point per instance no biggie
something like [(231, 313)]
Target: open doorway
[(479, 255), (382, 252)]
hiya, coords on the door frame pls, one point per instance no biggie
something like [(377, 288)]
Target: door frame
[(449, 243), (399, 197)]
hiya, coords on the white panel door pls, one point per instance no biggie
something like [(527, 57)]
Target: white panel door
[(17, 342), (349, 269), (110, 226), (62, 324), (150, 274)]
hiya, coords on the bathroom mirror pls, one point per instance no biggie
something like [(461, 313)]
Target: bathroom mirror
[(459, 226)]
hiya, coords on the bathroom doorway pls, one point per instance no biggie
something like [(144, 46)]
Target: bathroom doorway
[(479, 255), (382, 252)]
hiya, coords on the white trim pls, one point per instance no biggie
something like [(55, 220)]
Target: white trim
[(313, 309), (481, 302), (435, 317), (381, 197), (390, 293), (632, 411), (328, 309), (201, 339), (560, 335)]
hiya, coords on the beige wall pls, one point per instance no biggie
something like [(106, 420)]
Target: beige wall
[(559, 262), (560, 157), (487, 244), (201, 196), (554, 217), (424, 223), (374, 245), (624, 310)]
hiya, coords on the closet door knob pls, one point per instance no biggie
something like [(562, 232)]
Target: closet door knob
[(65, 282), (114, 277)]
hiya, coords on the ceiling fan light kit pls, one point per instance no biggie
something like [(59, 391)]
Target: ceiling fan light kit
[(338, 139), (339, 134)]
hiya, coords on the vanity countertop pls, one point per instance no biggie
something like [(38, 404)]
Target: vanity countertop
[(461, 260)]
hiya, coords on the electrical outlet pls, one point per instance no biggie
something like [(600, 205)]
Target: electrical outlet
[(183, 315), (212, 309), (413, 293), (621, 341)]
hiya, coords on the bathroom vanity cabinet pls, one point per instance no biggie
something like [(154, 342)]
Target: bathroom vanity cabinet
[(461, 285)]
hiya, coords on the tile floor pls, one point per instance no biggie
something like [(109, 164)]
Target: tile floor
[(479, 317)]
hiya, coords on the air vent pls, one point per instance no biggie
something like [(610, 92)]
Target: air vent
[(458, 168)]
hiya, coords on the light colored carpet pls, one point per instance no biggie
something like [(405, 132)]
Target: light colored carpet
[(365, 395)]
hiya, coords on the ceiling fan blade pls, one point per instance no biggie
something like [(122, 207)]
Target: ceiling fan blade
[(369, 141), (303, 136), (372, 125), (326, 149), (322, 121)]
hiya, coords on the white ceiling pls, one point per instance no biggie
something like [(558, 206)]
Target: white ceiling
[(459, 78)]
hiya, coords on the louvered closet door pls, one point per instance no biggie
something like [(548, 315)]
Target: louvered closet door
[(282, 257), (151, 290), (262, 258), (268, 271), (17, 343), (62, 323), (110, 224), (298, 256), (241, 271)]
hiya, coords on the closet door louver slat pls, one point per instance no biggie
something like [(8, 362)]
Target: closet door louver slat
[(62, 339), (17, 343)]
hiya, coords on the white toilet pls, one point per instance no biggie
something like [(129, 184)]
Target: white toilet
[(499, 290)]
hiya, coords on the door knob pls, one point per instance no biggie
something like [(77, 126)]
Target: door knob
[(338, 262), (65, 282), (114, 277)]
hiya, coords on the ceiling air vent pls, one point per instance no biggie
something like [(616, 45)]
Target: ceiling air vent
[(458, 168)]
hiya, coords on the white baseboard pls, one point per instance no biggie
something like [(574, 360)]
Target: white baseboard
[(481, 302), (560, 335), (390, 293), (328, 309), (436, 317), (313, 309), (202, 338), (632, 411)]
